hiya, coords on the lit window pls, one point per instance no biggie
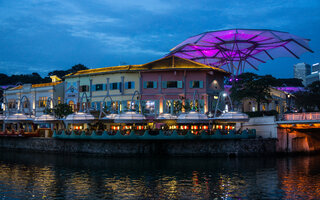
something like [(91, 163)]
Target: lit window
[(42, 102)]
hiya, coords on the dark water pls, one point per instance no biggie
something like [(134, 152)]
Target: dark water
[(42, 176)]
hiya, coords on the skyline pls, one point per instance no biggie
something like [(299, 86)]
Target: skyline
[(55, 35)]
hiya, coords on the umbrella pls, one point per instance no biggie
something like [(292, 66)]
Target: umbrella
[(235, 49)]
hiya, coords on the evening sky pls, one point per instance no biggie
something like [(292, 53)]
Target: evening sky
[(45, 35)]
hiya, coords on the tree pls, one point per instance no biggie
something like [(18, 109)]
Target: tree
[(62, 73), (62, 110), (309, 100), (252, 86)]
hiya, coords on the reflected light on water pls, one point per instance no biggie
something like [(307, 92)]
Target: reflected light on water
[(23, 176)]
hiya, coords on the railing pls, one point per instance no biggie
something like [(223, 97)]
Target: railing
[(150, 135), (302, 116)]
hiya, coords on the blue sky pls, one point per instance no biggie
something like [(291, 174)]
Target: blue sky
[(46, 35)]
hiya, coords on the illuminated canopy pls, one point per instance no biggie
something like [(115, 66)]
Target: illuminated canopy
[(232, 117), (2, 117), (235, 49), (129, 117), (79, 117), (166, 116), (18, 117), (192, 117), (45, 119)]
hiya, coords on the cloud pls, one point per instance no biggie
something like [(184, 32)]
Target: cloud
[(116, 43), (82, 20), (7, 66)]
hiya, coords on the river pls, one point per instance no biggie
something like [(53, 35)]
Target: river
[(52, 176)]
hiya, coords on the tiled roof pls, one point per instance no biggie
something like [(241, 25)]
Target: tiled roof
[(17, 88), (170, 62), (37, 85), (46, 84), (106, 70)]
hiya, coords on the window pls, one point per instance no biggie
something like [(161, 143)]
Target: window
[(99, 87), (150, 84), (71, 103), (115, 86), (42, 102), (25, 104), (172, 84), (84, 88), (150, 107), (11, 104), (129, 85), (196, 84)]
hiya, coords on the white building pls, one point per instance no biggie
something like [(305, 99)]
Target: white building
[(315, 74), (301, 71), (34, 97)]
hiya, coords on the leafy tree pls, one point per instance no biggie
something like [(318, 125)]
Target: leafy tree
[(47, 111), (62, 110), (62, 73), (309, 100), (252, 86)]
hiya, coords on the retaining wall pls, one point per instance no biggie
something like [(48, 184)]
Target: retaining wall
[(241, 147)]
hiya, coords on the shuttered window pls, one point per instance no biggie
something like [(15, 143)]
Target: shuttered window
[(150, 84), (196, 84)]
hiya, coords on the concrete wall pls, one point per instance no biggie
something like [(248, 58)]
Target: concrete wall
[(265, 126), (138, 147), (295, 141)]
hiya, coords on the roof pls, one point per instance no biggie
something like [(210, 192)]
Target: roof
[(105, 70), (17, 88), (46, 84), (37, 85), (175, 62), (169, 62)]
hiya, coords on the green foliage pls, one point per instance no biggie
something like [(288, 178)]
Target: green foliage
[(62, 73), (47, 111), (252, 86), (177, 106), (309, 100), (187, 106), (35, 78), (62, 110)]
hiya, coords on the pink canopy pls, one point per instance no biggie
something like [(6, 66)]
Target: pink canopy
[(235, 49)]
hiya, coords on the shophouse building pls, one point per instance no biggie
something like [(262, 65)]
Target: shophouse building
[(165, 85), (33, 98)]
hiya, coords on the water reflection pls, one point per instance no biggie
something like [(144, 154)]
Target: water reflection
[(41, 176)]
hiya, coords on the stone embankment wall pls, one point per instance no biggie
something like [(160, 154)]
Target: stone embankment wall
[(244, 147)]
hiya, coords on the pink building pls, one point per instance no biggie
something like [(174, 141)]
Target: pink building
[(170, 84)]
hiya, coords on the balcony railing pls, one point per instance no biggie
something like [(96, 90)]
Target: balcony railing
[(302, 116)]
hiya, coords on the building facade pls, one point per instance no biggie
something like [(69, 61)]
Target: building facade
[(278, 102), (301, 71), (175, 85), (33, 98), (165, 85), (315, 74)]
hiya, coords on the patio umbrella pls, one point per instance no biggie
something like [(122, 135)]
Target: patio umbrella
[(235, 49)]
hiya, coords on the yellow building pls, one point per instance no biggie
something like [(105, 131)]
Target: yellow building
[(170, 79), (277, 102), (101, 85)]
